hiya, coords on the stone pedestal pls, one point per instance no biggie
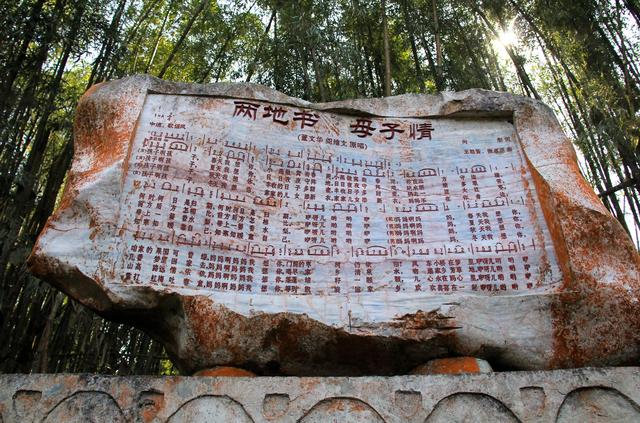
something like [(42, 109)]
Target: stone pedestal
[(578, 395)]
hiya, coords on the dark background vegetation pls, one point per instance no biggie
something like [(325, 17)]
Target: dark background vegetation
[(581, 57)]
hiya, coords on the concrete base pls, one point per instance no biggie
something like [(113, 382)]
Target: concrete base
[(578, 395)]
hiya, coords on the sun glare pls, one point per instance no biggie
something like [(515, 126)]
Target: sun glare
[(506, 38)]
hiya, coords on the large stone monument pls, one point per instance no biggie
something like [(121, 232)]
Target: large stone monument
[(242, 227)]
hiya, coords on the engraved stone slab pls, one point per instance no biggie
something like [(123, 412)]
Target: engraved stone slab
[(242, 227), (251, 200)]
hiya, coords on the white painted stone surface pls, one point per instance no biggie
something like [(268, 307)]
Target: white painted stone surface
[(247, 203)]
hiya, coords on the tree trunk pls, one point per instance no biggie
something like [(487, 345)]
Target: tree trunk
[(634, 9), (436, 33), (319, 75), (176, 47), (15, 65), (157, 42), (252, 66), (387, 53), (414, 50), (26, 195), (522, 73), (108, 44)]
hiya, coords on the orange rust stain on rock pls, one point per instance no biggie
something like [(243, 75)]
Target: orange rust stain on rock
[(124, 394), (421, 325), (103, 127), (420, 320), (448, 366), (358, 407), (596, 318), (307, 385), (148, 414), (151, 407), (335, 406), (36, 263), (225, 371), (548, 205), (592, 318), (292, 344), (208, 329)]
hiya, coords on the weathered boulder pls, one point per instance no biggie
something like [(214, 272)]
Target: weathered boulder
[(242, 227)]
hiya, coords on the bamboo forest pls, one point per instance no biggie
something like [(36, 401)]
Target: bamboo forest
[(581, 57)]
